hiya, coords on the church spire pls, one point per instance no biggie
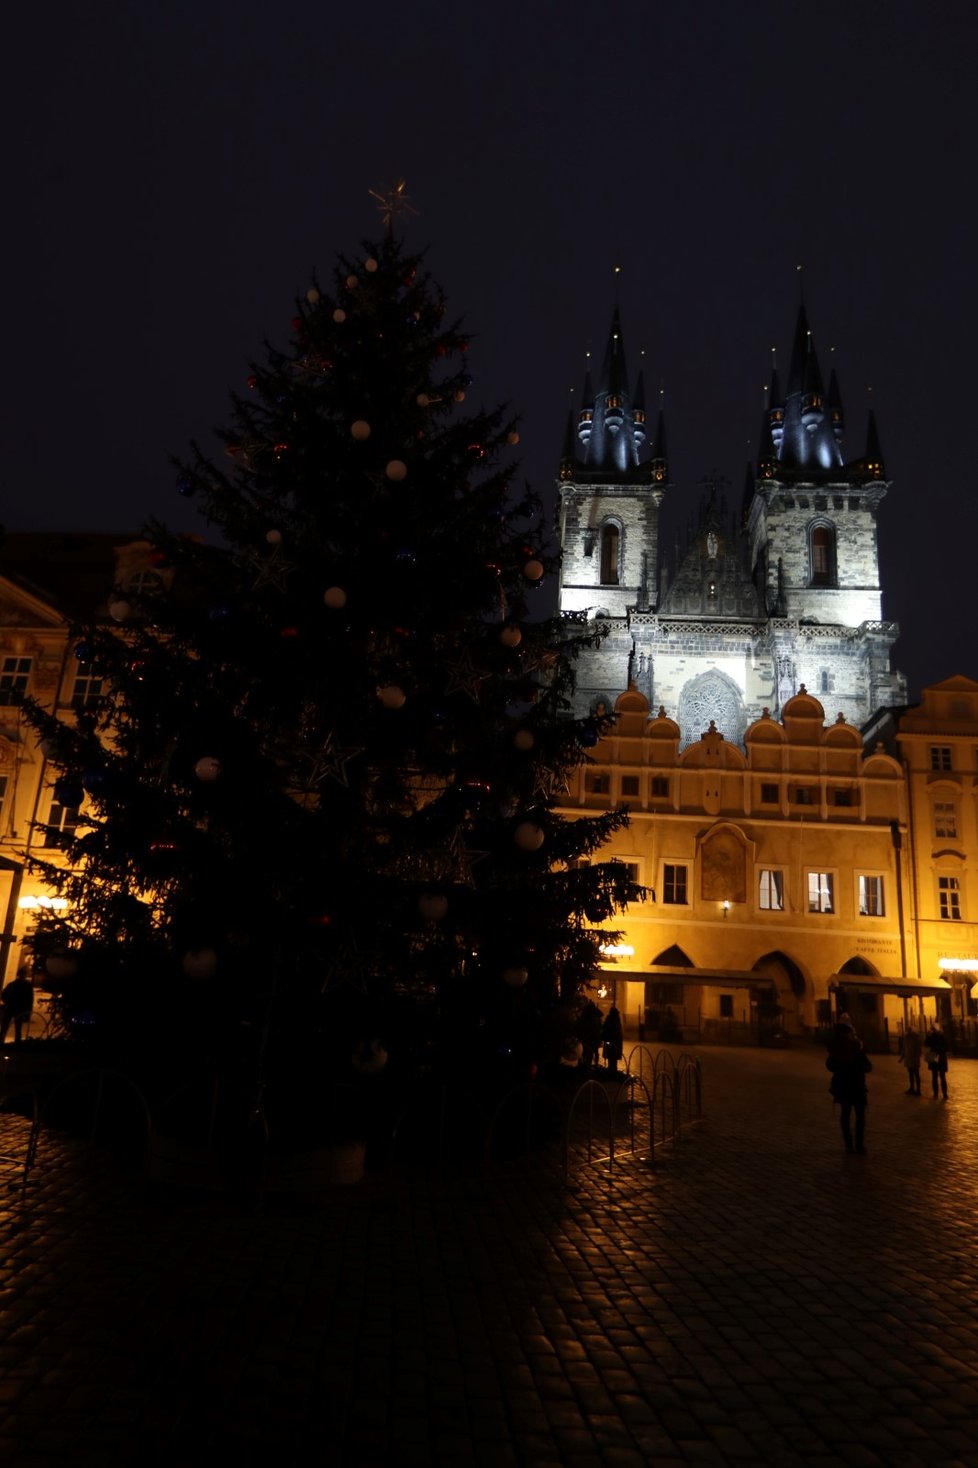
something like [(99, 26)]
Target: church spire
[(809, 440), (611, 422)]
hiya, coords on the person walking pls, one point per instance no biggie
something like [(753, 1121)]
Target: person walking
[(935, 1054), (849, 1064), (911, 1047), (612, 1038)]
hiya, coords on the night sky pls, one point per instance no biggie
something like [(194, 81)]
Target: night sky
[(177, 171)]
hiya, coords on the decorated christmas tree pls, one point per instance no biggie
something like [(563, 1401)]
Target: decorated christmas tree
[(316, 812)]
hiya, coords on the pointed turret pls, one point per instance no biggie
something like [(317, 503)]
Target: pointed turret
[(808, 442), (873, 461), (659, 462), (834, 404), (567, 456), (586, 415), (638, 412), (611, 422), (775, 410)]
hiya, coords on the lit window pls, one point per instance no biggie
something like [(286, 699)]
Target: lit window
[(674, 884), (770, 891), (820, 898), (14, 676), (949, 894), (940, 756), (871, 896), (945, 818)]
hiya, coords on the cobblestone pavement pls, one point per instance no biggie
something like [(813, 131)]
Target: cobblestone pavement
[(761, 1297)]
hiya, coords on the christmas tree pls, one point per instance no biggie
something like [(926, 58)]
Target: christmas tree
[(318, 807)]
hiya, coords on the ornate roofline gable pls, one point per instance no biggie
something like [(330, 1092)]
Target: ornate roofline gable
[(765, 730), (22, 608)]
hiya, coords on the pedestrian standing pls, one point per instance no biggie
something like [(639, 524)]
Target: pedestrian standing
[(612, 1038), (935, 1054), (17, 1005), (849, 1064), (911, 1047)]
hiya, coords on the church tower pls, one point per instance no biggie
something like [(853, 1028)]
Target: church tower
[(611, 487), (784, 593), (811, 523)]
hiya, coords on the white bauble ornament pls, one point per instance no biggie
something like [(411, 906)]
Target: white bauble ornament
[(432, 906), (396, 470), (511, 636), (360, 429), (208, 768), (371, 265), (351, 281), (460, 396), (335, 597), (392, 697), (422, 400), (312, 296), (523, 739), (528, 836), (533, 570), (119, 610), (274, 537), (339, 315), (572, 1053), (61, 965), (515, 977), (199, 963), (512, 438), (369, 1058)]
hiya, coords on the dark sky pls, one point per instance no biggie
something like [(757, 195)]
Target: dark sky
[(176, 171)]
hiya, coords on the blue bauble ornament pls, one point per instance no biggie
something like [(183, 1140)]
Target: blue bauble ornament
[(587, 735), (93, 780), (83, 652), (186, 486), (219, 613)]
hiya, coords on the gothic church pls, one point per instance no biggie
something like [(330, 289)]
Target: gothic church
[(786, 593)]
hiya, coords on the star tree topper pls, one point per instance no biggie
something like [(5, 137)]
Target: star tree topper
[(393, 203)]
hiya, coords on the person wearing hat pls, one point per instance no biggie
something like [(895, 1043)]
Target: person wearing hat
[(849, 1064)]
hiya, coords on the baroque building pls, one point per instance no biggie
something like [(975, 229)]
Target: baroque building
[(786, 591)]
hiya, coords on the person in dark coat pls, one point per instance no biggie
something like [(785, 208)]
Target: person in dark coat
[(849, 1064), (612, 1038), (935, 1053), (17, 1004)]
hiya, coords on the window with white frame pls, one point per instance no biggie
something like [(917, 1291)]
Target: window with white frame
[(660, 787), (945, 818), (596, 782), (821, 895), (949, 897), (61, 823), (89, 686), (15, 675), (870, 895), (629, 785), (940, 756), (675, 883), (770, 890)]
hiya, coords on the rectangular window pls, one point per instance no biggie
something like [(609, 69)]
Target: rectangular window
[(949, 893), (3, 792), (802, 795), (597, 783), (674, 884), (14, 676), (843, 797), (945, 818), (89, 686), (629, 784), (820, 898), (660, 787), (769, 794), (940, 756), (770, 891), (726, 1006), (871, 896), (634, 878), (60, 824)]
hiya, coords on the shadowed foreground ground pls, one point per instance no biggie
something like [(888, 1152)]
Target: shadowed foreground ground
[(760, 1298)]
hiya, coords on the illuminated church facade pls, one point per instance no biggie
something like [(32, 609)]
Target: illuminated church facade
[(784, 592)]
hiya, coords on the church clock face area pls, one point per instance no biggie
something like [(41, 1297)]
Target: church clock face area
[(779, 591)]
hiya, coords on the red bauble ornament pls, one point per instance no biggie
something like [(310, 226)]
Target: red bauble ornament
[(288, 632), (297, 323), (252, 381), (157, 557)]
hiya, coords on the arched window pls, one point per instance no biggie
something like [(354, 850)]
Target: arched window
[(610, 542), (822, 542)]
